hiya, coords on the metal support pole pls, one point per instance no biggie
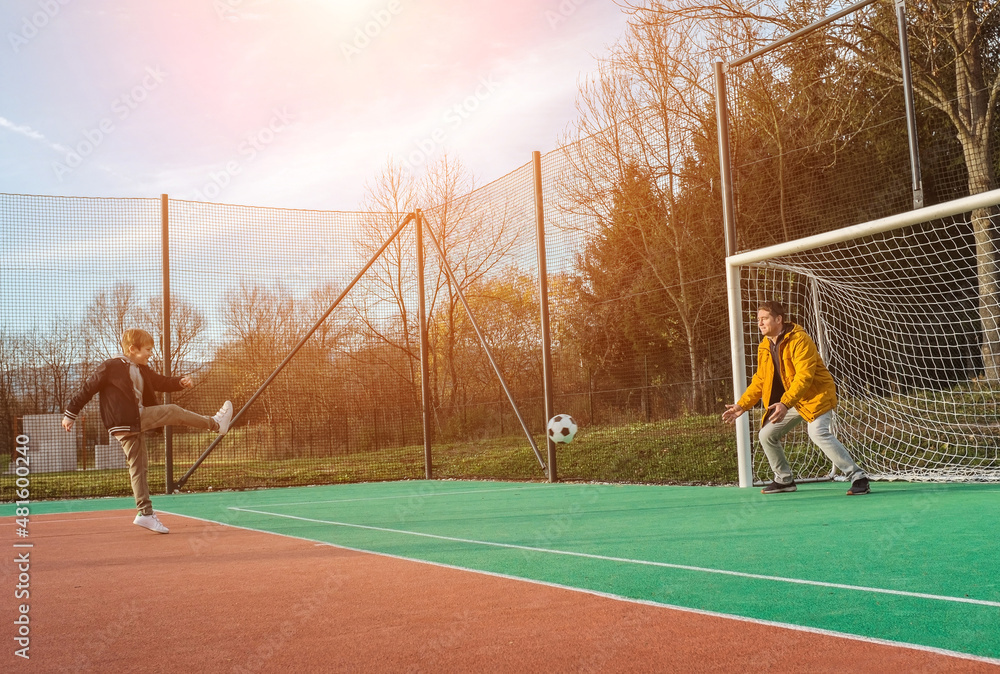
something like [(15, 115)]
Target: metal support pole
[(911, 115), (737, 353), (800, 32), (425, 373), (168, 435), (725, 160), (543, 300)]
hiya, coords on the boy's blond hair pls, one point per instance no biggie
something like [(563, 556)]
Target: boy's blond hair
[(136, 337)]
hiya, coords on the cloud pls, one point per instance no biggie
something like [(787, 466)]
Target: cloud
[(28, 132)]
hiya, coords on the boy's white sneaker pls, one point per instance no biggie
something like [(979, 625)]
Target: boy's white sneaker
[(151, 522), (223, 417)]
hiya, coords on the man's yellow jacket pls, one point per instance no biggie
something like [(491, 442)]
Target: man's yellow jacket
[(809, 386)]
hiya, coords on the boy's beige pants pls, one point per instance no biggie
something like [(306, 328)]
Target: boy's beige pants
[(134, 445)]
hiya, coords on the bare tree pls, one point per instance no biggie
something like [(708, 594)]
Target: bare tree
[(476, 233), (476, 236), (261, 326), (187, 325), (56, 352), (336, 328), (386, 307), (11, 365), (639, 120), (108, 315)]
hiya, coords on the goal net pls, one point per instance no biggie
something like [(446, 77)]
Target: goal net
[(896, 309)]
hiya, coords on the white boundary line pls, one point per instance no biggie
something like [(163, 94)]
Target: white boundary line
[(641, 562), (630, 600), (389, 498)]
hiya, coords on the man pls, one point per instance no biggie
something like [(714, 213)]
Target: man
[(795, 385)]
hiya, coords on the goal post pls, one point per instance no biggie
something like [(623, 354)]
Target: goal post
[(893, 305), (744, 458)]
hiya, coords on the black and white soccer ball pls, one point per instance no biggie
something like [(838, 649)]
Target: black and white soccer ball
[(562, 428)]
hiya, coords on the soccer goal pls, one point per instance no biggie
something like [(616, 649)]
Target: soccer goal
[(903, 310)]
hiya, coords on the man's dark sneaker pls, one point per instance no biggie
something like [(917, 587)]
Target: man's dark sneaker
[(779, 487), (859, 486)]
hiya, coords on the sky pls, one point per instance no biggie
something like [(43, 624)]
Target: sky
[(289, 103)]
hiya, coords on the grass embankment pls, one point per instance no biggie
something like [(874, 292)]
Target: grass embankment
[(690, 450)]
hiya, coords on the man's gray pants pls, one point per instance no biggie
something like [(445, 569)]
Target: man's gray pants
[(772, 436)]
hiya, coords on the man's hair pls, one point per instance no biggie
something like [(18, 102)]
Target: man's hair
[(774, 308), (137, 338)]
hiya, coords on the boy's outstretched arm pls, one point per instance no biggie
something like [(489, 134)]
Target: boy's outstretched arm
[(83, 396), (161, 383)]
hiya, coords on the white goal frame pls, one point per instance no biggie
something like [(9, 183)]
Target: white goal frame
[(735, 299)]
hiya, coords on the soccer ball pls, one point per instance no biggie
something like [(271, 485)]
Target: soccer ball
[(562, 428)]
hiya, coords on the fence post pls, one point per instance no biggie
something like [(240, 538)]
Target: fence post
[(916, 179), (590, 396), (646, 402), (168, 436), (543, 301), (425, 376)]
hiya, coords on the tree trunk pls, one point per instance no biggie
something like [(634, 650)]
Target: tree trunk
[(988, 275), (972, 109), (696, 384)]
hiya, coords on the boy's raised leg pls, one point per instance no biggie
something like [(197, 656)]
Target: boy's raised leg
[(157, 416)]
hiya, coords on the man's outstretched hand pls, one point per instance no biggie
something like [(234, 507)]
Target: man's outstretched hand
[(732, 413), (775, 413)]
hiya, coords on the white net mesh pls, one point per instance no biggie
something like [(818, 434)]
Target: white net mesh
[(900, 322)]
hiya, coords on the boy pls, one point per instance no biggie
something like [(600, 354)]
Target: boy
[(128, 408), (795, 386)]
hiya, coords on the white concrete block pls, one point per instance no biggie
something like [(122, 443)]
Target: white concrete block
[(52, 449)]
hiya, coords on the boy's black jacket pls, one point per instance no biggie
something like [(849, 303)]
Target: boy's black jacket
[(119, 409)]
